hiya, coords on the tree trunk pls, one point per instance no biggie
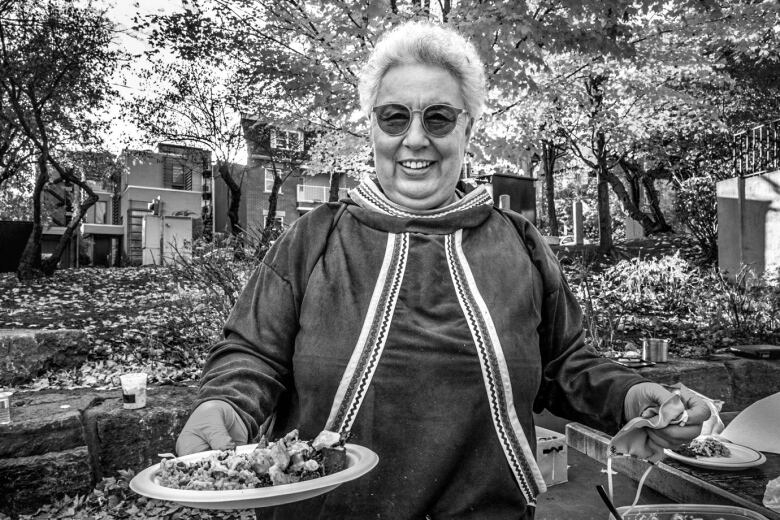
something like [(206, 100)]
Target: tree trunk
[(655, 204), (335, 182), (234, 196), (634, 212), (548, 165), (68, 175), (602, 195), (605, 218), (30, 262), (50, 264)]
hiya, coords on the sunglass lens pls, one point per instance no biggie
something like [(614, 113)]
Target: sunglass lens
[(440, 120), (393, 119)]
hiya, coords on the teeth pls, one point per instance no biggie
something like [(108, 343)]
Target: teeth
[(416, 165)]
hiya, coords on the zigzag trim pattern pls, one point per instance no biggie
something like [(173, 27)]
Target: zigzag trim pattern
[(495, 374), (368, 194), (373, 335)]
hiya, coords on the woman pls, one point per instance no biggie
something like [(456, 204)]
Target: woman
[(419, 319)]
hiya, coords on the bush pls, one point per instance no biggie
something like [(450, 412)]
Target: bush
[(696, 207), (662, 284)]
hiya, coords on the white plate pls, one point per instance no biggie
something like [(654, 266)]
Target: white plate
[(740, 457), (360, 461)]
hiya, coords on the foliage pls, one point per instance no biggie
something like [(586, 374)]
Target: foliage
[(749, 303), (219, 269), (112, 499), (696, 206), (670, 296), (136, 319), (57, 64)]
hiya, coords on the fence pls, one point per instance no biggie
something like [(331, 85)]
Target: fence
[(757, 150)]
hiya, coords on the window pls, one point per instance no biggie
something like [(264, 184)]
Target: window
[(97, 213), (177, 176), (269, 180), (286, 140), (279, 218)]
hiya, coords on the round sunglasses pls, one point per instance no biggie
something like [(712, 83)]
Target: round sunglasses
[(437, 120)]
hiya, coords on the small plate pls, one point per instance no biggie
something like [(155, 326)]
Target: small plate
[(740, 457), (360, 461)]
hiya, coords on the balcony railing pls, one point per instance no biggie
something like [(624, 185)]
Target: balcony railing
[(757, 150), (313, 194)]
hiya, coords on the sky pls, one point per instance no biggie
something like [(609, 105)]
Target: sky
[(121, 12)]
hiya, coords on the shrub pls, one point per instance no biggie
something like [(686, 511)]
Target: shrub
[(749, 305), (696, 207), (659, 283)]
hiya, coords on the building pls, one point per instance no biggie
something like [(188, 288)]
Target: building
[(749, 204), (166, 189), (270, 149)]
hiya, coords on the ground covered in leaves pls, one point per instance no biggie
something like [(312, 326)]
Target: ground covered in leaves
[(136, 319)]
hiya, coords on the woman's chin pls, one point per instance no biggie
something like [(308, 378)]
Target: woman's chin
[(420, 201)]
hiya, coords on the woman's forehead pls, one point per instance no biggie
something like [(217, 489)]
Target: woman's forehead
[(418, 85)]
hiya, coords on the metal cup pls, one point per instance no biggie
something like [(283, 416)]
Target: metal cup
[(5, 407), (655, 350)]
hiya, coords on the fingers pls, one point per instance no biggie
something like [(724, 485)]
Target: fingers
[(650, 451), (697, 408), (672, 437)]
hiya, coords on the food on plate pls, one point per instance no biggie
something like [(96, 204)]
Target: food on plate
[(285, 461), (704, 447)]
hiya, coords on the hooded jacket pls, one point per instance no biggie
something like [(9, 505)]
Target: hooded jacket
[(428, 337)]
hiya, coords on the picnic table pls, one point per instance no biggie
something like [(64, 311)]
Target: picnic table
[(683, 483)]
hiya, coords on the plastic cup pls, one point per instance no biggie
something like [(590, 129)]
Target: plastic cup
[(5, 407), (133, 390)]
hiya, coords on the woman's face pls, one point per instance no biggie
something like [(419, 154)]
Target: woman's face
[(415, 169)]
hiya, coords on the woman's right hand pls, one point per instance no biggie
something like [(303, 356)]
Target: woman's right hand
[(213, 425)]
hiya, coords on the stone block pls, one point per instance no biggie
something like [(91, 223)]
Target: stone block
[(28, 482), (132, 439), (27, 353), (45, 422), (752, 379), (706, 377)]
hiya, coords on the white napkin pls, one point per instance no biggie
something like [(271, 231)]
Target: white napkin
[(757, 426), (772, 495), (633, 436)]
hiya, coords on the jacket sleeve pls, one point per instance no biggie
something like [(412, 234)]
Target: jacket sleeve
[(577, 383), (252, 366)]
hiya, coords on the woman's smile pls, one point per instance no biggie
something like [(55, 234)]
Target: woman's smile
[(416, 169)]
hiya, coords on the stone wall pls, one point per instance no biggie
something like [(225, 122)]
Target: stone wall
[(64, 442)]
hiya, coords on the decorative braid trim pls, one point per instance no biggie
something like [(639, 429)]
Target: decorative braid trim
[(373, 335), (369, 196), (495, 373)]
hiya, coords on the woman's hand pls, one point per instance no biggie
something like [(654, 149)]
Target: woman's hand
[(644, 399), (213, 425)]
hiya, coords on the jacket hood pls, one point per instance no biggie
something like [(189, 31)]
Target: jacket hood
[(368, 204)]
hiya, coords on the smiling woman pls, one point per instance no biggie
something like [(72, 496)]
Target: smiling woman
[(415, 319)]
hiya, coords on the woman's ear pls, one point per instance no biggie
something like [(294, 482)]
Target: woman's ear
[(469, 128)]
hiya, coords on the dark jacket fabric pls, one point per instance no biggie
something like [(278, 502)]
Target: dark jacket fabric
[(448, 301)]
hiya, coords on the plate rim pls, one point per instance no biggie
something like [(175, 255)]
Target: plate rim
[(703, 463), (144, 484)]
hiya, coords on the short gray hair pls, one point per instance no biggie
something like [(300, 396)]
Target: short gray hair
[(428, 44)]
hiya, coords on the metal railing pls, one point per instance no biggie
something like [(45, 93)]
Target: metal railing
[(757, 150), (306, 193)]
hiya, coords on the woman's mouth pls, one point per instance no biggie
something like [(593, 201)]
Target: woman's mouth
[(416, 164)]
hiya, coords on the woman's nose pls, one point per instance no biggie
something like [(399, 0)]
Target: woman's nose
[(416, 137)]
